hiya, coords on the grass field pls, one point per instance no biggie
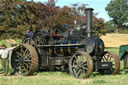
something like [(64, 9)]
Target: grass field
[(64, 78)]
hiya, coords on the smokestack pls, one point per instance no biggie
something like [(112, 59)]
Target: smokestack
[(89, 29)]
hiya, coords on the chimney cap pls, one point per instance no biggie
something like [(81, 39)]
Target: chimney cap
[(89, 9)]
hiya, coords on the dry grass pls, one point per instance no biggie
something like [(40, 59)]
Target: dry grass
[(115, 40)]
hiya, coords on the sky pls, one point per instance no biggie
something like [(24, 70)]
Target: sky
[(97, 5)]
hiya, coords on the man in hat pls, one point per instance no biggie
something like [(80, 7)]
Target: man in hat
[(4, 54)]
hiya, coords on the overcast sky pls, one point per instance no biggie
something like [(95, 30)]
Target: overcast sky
[(97, 5)]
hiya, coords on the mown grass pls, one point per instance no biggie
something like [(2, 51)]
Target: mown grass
[(60, 78)]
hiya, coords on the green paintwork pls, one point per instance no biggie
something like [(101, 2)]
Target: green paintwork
[(122, 50)]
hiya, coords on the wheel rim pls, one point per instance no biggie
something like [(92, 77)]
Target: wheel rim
[(111, 57), (81, 65), (28, 41), (24, 60)]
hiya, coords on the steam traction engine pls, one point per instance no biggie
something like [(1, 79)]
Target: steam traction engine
[(75, 49)]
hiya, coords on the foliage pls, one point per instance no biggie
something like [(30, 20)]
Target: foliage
[(99, 26), (64, 16), (110, 26), (47, 14), (16, 15), (79, 12), (118, 11), (4, 42)]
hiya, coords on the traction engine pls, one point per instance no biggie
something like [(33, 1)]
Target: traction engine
[(75, 49)]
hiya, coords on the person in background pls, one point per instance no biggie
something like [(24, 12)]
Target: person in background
[(4, 54), (29, 34)]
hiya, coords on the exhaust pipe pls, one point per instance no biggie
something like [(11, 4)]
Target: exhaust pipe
[(89, 29)]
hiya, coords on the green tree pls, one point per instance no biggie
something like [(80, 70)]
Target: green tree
[(16, 16), (99, 26), (118, 11), (64, 16), (47, 12), (110, 26)]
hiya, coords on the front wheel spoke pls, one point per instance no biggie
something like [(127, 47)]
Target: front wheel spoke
[(84, 64), (74, 66), (74, 70), (74, 62), (85, 68), (113, 61), (78, 73), (84, 71), (81, 58), (74, 57), (109, 58), (105, 58), (113, 64)]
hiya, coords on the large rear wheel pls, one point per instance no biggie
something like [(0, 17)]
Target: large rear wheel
[(29, 41), (81, 65), (24, 60)]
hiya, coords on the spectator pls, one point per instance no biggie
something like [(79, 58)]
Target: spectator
[(4, 53), (29, 34)]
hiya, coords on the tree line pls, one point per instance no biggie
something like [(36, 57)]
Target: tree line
[(16, 16), (118, 12)]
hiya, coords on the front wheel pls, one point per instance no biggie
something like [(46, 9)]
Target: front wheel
[(110, 57), (81, 65)]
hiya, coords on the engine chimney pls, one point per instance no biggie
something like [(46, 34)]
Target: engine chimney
[(89, 29)]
